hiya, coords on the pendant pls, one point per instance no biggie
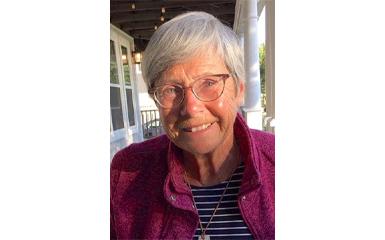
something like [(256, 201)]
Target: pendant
[(204, 237)]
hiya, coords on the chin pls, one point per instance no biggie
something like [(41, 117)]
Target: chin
[(202, 147)]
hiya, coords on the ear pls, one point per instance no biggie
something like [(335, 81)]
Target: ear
[(241, 94)]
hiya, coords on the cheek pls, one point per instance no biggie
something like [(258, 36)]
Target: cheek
[(225, 109), (221, 103), (168, 119), (231, 97), (230, 102)]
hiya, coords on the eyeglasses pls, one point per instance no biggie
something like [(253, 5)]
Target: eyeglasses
[(206, 89)]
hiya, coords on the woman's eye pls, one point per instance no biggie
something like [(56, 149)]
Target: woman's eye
[(169, 91), (209, 83)]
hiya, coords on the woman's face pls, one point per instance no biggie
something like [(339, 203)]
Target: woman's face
[(195, 126)]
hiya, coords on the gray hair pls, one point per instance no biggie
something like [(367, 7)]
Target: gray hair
[(187, 35)]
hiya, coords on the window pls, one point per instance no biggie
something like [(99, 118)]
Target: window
[(126, 66), (115, 96), (127, 86), (130, 105), (114, 78), (125, 119)]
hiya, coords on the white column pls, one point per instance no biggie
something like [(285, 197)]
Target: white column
[(252, 110), (270, 63)]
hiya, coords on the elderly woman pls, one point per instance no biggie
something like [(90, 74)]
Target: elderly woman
[(210, 176)]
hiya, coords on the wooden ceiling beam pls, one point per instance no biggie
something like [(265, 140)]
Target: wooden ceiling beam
[(116, 7), (149, 30), (142, 32), (145, 36), (208, 8), (139, 25), (127, 18)]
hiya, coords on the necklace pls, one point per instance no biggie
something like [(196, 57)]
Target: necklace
[(203, 230)]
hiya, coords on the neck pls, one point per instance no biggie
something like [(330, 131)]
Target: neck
[(211, 168)]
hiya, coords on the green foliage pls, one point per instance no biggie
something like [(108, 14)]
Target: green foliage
[(262, 54)]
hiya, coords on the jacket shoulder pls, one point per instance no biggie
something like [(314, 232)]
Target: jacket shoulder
[(139, 157), (265, 142), (138, 152)]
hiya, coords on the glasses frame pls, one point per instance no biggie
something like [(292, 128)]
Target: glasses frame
[(223, 76)]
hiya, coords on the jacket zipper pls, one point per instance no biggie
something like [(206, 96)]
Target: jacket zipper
[(251, 228)]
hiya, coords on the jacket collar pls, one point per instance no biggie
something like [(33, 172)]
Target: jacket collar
[(249, 153)]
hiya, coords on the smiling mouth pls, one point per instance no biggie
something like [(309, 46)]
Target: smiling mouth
[(198, 128)]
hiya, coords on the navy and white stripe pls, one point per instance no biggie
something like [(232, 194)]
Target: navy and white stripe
[(227, 222)]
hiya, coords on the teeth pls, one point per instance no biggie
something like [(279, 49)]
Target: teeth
[(200, 128)]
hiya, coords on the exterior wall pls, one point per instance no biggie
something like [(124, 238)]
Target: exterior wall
[(145, 101), (151, 127)]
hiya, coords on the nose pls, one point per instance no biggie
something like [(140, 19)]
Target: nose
[(191, 105)]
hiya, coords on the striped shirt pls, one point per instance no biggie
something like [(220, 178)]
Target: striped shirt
[(227, 222)]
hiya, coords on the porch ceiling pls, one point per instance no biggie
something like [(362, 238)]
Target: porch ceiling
[(140, 22)]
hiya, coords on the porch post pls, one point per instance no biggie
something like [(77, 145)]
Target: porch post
[(252, 110), (270, 63)]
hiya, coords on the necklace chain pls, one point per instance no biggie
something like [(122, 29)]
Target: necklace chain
[(203, 230)]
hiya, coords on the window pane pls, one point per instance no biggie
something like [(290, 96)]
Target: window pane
[(126, 66), (113, 65), (130, 105), (116, 108)]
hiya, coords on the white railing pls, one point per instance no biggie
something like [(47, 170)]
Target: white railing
[(151, 125)]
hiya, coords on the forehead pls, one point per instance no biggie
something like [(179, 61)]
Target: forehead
[(192, 68)]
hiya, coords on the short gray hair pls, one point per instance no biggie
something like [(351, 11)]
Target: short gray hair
[(186, 35)]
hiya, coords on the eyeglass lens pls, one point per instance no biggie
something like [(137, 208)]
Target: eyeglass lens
[(206, 89)]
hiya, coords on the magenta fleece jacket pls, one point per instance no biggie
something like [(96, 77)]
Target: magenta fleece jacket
[(150, 200)]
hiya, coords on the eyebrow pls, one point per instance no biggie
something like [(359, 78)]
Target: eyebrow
[(205, 74), (162, 81)]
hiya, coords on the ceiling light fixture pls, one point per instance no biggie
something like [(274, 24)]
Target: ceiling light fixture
[(137, 57)]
